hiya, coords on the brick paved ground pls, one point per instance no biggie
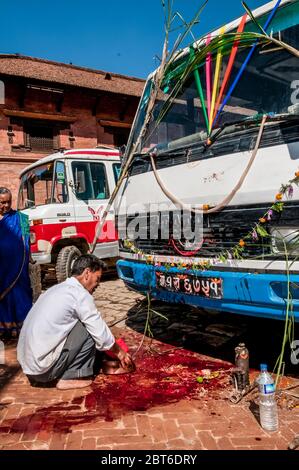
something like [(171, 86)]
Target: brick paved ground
[(137, 412)]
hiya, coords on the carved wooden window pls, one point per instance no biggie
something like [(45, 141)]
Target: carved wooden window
[(41, 137), (120, 136)]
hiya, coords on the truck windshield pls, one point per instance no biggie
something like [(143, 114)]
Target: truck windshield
[(43, 185), (268, 85)]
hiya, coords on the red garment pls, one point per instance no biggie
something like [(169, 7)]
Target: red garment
[(121, 343)]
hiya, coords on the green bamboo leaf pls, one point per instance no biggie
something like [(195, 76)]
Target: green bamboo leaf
[(187, 26), (159, 315), (190, 26), (176, 45), (237, 254), (253, 18), (262, 231), (182, 71)]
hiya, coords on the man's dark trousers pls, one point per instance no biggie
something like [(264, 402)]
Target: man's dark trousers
[(76, 360)]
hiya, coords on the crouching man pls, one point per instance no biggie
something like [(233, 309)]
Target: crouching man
[(63, 330)]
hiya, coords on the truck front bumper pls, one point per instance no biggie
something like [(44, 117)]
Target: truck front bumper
[(41, 258)]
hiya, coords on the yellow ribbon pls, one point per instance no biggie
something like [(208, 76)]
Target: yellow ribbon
[(216, 82)]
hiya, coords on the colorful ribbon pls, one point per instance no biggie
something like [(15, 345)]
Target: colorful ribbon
[(200, 90), (230, 64), (216, 81), (241, 71), (209, 75)]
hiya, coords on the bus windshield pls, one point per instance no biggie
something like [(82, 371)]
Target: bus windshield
[(268, 85)]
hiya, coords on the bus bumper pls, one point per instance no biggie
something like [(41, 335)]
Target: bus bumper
[(254, 294)]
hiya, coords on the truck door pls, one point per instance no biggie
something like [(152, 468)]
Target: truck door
[(92, 194), (62, 196)]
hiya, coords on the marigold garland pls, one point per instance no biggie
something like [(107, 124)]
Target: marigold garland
[(258, 232)]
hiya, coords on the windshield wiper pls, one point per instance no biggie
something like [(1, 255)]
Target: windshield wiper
[(248, 121)]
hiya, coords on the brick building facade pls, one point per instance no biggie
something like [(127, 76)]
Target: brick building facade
[(48, 106)]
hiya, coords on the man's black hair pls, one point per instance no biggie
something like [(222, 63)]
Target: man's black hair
[(4, 190), (87, 262)]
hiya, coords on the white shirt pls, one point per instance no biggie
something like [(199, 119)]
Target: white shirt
[(52, 318)]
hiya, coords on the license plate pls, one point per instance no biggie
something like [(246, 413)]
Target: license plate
[(210, 288)]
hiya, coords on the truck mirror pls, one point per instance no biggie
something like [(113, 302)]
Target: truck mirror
[(122, 151)]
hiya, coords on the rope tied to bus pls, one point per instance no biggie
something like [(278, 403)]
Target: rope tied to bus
[(222, 205)]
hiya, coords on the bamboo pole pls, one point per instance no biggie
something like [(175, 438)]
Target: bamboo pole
[(157, 83)]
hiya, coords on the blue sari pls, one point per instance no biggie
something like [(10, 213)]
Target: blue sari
[(15, 288)]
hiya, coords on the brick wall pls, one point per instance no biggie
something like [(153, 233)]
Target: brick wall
[(9, 177), (85, 132)]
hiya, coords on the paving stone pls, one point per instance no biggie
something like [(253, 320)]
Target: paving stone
[(74, 441), (189, 432), (157, 430), (89, 444), (182, 444), (37, 445), (224, 443), (9, 439), (127, 440), (13, 411), (143, 424), (172, 429), (207, 440), (58, 441), (18, 446), (110, 434)]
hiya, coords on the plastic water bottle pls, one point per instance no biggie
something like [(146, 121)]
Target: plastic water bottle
[(267, 402)]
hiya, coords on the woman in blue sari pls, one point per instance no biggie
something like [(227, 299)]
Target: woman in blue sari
[(15, 289)]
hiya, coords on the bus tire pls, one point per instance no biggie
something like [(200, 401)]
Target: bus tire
[(65, 260)]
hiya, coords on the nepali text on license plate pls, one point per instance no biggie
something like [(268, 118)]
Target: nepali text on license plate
[(210, 288)]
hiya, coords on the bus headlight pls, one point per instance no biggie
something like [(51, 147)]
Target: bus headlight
[(285, 239)]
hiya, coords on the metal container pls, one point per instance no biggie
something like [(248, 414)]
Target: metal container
[(242, 363), (113, 367)]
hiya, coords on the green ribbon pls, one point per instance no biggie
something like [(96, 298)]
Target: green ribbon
[(200, 89)]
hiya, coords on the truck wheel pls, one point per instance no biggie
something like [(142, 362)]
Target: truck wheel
[(65, 260)]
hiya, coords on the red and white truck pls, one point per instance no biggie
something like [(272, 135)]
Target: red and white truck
[(65, 195)]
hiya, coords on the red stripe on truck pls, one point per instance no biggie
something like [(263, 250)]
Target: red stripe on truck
[(53, 232), (93, 152)]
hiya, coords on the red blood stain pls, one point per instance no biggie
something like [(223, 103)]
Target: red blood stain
[(160, 379)]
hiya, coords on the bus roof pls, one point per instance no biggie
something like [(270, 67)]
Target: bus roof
[(258, 12), (100, 153), (267, 7)]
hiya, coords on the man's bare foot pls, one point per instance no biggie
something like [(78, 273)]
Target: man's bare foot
[(73, 384)]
